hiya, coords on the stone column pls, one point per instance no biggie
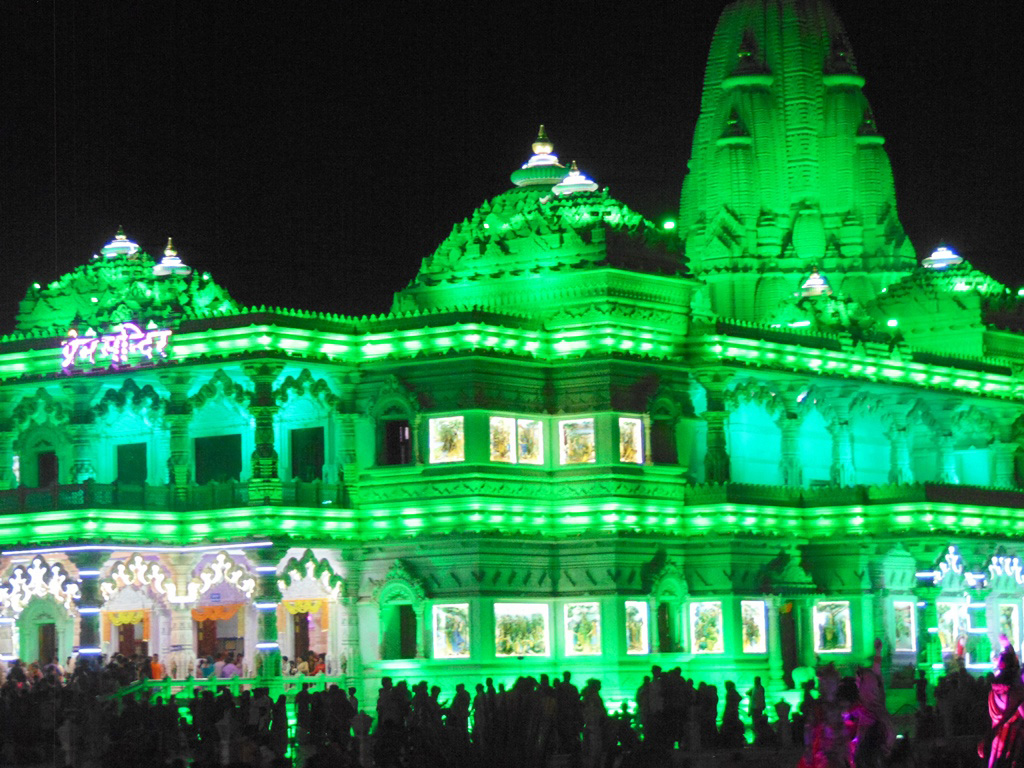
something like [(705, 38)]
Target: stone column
[(776, 668), (83, 452), (900, 470), (7, 478), (716, 459), (81, 429), (842, 454), (268, 649), (1002, 464), (929, 647), (89, 606), (8, 434), (947, 461), (264, 482), (181, 653), (790, 467), (178, 415), (349, 659)]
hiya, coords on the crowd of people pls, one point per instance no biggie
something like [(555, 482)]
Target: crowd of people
[(53, 715)]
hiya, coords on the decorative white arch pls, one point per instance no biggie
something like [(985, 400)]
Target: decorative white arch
[(136, 571), (224, 569), (37, 580)]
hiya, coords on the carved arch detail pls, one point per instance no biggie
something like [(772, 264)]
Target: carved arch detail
[(309, 567)]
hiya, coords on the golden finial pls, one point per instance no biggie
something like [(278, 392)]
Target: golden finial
[(542, 146)]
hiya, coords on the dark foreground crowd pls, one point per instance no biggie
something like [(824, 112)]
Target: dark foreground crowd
[(71, 720)]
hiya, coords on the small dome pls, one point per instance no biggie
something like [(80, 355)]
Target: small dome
[(574, 182), (542, 168), (120, 246), (815, 285), (942, 258), (170, 264)]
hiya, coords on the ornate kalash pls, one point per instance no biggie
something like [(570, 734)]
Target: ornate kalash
[(578, 440)]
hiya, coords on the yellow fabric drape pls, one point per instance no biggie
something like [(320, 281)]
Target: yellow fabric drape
[(310, 605), (105, 628), (215, 612), (145, 626), (119, 618)]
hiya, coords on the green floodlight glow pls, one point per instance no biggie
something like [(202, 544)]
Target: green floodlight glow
[(892, 322), (668, 224)]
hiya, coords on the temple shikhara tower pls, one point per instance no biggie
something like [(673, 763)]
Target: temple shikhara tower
[(576, 440)]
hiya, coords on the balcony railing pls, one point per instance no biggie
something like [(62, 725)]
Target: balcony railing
[(225, 495)]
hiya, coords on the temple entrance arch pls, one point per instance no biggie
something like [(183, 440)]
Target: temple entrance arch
[(401, 600), (310, 592), (45, 631), (224, 617), (136, 612)]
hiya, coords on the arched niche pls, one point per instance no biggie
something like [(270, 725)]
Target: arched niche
[(129, 426), (754, 439), (923, 436), (872, 449), (43, 445), (46, 630), (401, 602), (306, 426), (221, 430), (669, 592), (814, 440), (394, 414), (973, 431)]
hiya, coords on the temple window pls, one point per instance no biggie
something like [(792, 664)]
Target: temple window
[(307, 453), (576, 442), (399, 628), (47, 469), (218, 458), (396, 442), (447, 439), (516, 440), (131, 464), (631, 440), (663, 439)]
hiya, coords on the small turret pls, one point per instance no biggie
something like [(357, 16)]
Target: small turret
[(170, 264), (543, 167), (574, 182)]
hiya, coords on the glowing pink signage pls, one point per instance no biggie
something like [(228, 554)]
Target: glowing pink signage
[(127, 345)]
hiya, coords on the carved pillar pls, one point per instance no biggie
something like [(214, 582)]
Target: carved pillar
[(346, 458), (178, 415), (264, 482), (1002, 464), (790, 466), (776, 669), (842, 454), (901, 471), (83, 452), (7, 477), (81, 430), (181, 656), (8, 434), (89, 605), (268, 649), (716, 460), (929, 647), (947, 461), (349, 659)]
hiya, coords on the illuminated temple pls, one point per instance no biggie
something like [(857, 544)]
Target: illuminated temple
[(578, 440)]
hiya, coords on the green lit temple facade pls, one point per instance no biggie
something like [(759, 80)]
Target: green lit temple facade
[(577, 440)]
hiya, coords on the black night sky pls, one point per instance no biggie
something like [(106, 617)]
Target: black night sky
[(310, 154)]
